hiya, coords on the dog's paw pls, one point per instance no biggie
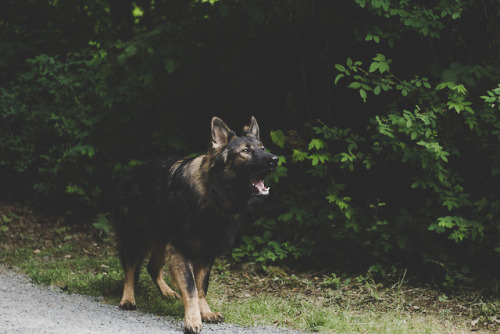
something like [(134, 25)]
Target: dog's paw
[(128, 305), (212, 317), (192, 322), (192, 327), (172, 295)]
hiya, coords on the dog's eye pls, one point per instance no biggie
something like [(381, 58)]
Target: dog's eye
[(246, 150)]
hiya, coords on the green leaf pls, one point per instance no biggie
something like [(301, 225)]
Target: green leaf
[(445, 84), (380, 57), (383, 67), (362, 92), (314, 160), (316, 143), (436, 227), (366, 87), (447, 222), (102, 223), (286, 216), (278, 137), (74, 189), (340, 68), (374, 66), (338, 77), (130, 50), (331, 198), (354, 85), (391, 43), (407, 156), (367, 164), (137, 11), (170, 65), (444, 155), (90, 151), (450, 203), (299, 155)]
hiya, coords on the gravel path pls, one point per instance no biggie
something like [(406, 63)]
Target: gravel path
[(29, 308)]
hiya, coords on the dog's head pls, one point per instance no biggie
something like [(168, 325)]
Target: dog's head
[(242, 159)]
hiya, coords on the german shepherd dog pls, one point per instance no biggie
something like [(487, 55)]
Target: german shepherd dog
[(186, 212)]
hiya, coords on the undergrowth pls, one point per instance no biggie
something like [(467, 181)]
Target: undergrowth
[(79, 261)]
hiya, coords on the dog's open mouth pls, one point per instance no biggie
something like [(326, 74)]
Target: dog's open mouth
[(259, 188)]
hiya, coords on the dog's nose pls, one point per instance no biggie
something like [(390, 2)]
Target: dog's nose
[(273, 160)]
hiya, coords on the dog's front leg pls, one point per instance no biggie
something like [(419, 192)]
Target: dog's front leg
[(182, 273), (201, 269)]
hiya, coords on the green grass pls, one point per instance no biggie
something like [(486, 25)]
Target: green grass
[(78, 261), (307, 315)]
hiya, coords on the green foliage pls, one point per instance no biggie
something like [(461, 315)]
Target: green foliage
[(102, 224), (426, 20), (420, 138), (390, 156), (49, 114), (397, 182)]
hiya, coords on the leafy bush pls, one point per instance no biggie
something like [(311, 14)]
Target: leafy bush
[(413, 183), (50, 115)]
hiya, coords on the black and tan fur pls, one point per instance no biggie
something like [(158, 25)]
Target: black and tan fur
[(186, 212)]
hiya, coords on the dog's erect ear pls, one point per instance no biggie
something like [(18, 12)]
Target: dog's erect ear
[(252, 130), (221, 133)]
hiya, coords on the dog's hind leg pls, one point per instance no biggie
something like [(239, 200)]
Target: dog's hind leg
[(131, 256), (155, 269), (128, 299), (201, 270)]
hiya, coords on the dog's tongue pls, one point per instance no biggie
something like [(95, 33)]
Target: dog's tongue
[(261, 187)]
